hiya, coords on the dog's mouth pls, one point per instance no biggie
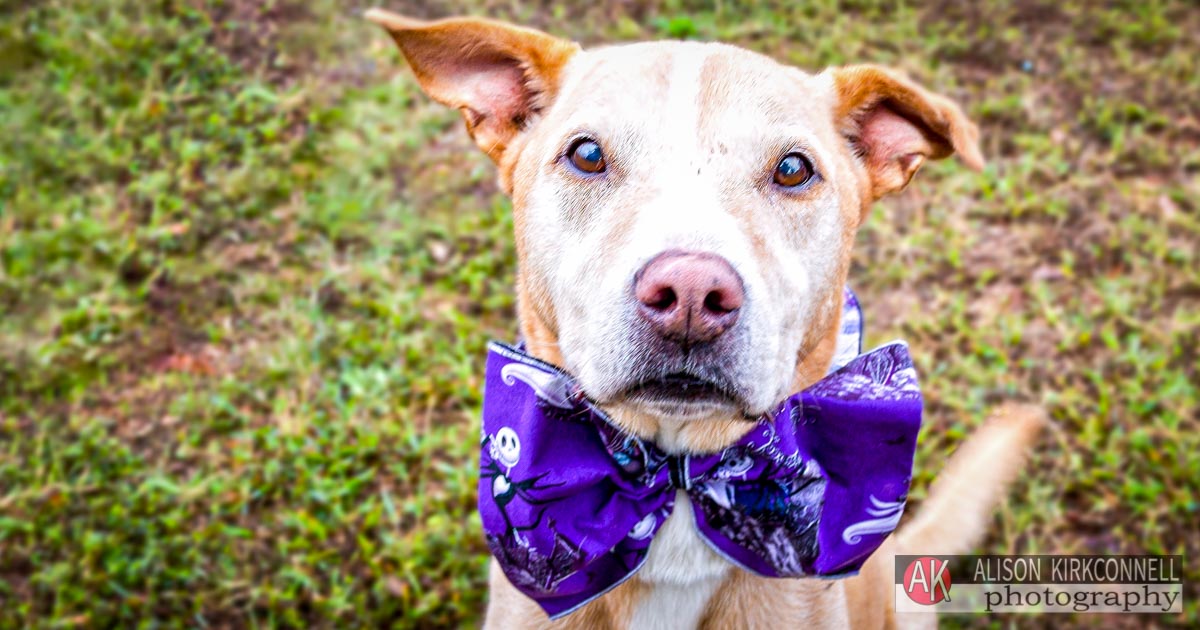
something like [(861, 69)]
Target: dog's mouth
[(683, 395)]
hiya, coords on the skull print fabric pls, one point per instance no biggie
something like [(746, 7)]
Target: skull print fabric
[(570, 503)]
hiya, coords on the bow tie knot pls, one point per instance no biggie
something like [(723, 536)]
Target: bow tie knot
[(677, 466)]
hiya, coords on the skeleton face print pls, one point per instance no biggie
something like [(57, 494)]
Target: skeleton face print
[(506, 447), (735, 466), (644, 528)]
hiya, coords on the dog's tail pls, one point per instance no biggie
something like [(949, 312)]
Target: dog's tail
[(955, 516)]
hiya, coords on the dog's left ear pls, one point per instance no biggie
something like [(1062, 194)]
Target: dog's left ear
[(499, 76), (895, 125)]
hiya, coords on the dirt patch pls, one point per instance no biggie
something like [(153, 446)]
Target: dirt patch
[(250, 32)]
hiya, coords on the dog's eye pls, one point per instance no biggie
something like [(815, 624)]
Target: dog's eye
[(793, 170), (586, 156)]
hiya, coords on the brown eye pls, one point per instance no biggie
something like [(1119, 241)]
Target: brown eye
[(793, 170), (586, 156)]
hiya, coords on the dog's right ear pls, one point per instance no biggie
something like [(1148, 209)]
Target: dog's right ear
[(498, 75)]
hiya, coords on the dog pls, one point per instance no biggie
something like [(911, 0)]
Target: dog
[(684, 216)]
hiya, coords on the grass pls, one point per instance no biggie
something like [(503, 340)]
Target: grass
[(247, 273)]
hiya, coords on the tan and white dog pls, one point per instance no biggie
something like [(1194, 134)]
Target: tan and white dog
[(684, 217)]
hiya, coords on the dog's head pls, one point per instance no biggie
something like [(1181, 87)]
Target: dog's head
[(684, 212)]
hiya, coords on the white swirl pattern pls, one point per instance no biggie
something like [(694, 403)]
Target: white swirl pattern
[(887, 515), (550, 387)]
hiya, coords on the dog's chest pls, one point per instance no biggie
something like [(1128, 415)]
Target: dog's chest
[(681, 574)]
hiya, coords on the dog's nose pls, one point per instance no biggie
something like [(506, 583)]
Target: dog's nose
[(688, 297)]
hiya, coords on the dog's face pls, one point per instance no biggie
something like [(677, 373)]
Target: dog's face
[(684, 211), (724, 185)]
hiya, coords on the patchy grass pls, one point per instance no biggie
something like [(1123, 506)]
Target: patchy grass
[(247, 273)]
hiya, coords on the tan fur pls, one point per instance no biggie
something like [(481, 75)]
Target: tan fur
[(867, 130), (899, 124), (954, 518), (454, 61)]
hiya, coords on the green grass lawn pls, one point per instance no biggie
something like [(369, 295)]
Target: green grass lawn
[(247, 272)]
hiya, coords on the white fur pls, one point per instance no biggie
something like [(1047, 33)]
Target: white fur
[(682, 571)]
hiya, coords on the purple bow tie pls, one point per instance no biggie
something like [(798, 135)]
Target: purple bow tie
[(570, 503)]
